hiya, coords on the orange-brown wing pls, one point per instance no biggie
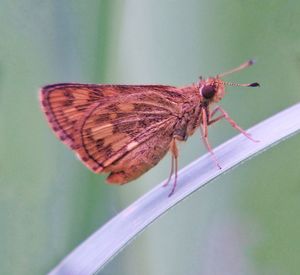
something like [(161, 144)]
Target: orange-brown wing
[(110, 131), (103, 123), (64, 104), (140, 159)]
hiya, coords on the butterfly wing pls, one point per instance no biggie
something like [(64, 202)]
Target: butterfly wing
[(140, 159), (65, 103), (104, 123)]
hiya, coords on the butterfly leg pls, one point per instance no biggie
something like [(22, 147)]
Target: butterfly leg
[(204, 133), (174, 169), (171, 172), (225, 115)]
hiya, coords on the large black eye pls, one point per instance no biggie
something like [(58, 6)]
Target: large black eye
[(208, 91)]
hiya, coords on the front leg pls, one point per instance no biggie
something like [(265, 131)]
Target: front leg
[(225, 115), (204, 133)]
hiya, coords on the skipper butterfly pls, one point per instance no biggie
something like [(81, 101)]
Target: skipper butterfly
[(125, 130)]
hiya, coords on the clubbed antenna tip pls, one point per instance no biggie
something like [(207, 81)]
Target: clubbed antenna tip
[(251, 61), (254, 84)]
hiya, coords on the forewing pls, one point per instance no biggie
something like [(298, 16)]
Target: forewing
[(64, 104), (103, 123)]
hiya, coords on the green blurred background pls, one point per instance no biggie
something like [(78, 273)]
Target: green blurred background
[(246, 222)]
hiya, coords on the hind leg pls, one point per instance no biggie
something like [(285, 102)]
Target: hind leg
[(174, 166)]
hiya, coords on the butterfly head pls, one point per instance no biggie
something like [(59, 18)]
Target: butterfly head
[(212, 89)]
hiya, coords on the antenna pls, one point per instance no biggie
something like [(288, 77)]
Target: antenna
[(241, 67), (254, 84)]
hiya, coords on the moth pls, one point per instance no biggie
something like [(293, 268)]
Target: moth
[(125, 130)]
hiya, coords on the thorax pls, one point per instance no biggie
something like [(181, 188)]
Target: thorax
[(190, 117)]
